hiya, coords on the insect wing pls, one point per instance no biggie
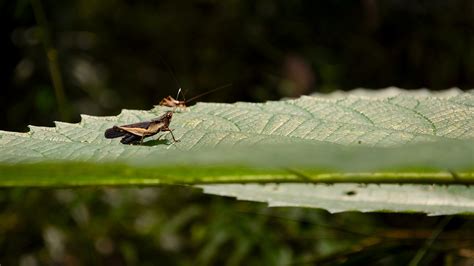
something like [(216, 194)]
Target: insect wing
[(145, 124), (153, 128), (137, 129), (114, 132), (134, 130)]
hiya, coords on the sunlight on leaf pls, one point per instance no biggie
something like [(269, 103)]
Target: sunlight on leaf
[(389, 136)]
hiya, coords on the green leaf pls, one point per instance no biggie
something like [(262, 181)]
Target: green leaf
[(431, 199), (382, 137)]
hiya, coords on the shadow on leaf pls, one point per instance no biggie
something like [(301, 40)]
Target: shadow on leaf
[(156, 142)]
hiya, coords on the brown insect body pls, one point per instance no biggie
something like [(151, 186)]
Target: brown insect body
[(172, 102), (135, 133)]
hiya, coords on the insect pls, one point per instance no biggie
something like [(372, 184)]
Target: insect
[(172, 102), (135, 133)]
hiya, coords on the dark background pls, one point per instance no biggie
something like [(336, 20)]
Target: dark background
[(109, 55)]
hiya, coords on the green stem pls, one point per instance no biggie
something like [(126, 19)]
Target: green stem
[(52, 55), (429, 242), (91, 174)]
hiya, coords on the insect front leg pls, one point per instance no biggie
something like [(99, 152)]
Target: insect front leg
[(171, 131)]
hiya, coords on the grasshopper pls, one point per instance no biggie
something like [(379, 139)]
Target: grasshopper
[(135, 133), (172, 102)]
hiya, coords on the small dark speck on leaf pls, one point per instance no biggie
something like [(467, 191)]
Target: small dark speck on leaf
[(359, 142), (350, 193)]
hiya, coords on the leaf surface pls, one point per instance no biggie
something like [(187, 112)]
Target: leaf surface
[(364, 137)]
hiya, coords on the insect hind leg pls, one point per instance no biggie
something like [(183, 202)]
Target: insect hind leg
[(130, 139)]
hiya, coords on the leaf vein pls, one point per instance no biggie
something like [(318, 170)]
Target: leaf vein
[(432, 125)]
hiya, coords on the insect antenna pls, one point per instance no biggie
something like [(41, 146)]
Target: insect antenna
[(170, 70), (184, 102), (207, 92), (177, 95), (176, 106)]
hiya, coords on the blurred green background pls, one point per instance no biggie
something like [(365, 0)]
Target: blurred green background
[(64, 58)]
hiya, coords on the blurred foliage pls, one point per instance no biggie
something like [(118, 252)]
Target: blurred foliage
[(110, 54), (180, 226)]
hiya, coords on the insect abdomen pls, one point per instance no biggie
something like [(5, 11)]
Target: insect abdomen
[(114, 132)]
